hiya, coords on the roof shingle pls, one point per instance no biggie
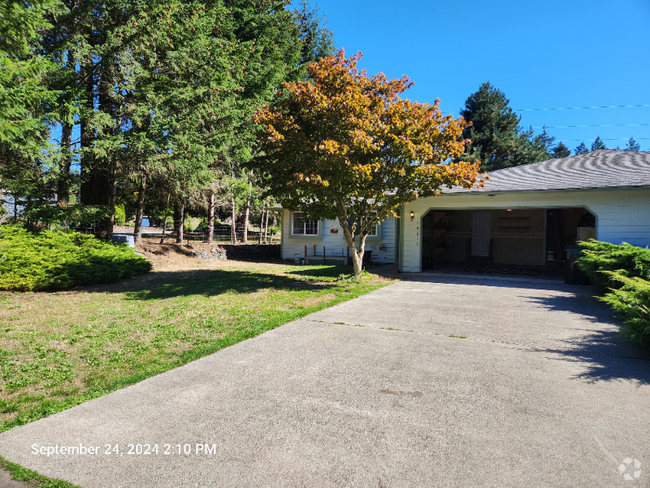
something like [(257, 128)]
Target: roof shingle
[(605, 168)]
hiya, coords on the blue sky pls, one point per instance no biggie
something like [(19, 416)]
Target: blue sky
[(541, 54)]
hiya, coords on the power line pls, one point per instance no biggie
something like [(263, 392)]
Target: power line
[(589, 126), (579, 108), (602, 139)]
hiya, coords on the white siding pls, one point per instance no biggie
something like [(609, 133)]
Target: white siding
[(294, 247), (622, 215)]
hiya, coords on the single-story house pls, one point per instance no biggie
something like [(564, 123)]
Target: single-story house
[(524, 215)]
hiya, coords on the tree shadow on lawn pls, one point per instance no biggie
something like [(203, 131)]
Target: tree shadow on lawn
[(603, 350), (208, 282)]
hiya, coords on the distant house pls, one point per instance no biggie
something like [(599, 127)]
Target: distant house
[(527, 215)]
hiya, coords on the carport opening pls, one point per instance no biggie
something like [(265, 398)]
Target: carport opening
[(508, 237)]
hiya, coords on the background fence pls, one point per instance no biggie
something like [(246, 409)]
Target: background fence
[(222, 233)]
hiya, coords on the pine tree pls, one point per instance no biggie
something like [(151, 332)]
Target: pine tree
[(496, 138), (494, 129), (24, 97), (598, 144), (561, 151), (632, 145), (316, 39), (581, 149)]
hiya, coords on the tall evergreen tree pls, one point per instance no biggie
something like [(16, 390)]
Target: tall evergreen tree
[(598, 144), (317, 41), (632, 145), (496, 138), (581, 149), (24, 97), (494, 128), (561, 151)]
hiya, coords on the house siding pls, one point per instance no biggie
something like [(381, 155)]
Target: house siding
[(622, 215), (293, 247)]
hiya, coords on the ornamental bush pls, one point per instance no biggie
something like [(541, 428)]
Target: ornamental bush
[(54, 260), (622, 273), (626, 259), (632, 305)]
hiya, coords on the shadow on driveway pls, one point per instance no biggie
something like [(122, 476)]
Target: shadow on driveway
[(599, 346), (606, 355)]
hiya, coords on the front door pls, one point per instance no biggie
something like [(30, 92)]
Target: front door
[(481, 232)]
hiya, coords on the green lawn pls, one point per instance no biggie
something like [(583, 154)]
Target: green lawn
[(60, 349)]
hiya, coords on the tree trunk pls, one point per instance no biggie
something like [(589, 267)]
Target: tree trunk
[(357, 254), (63, 187), (210, 236), (179, 221), (97, 172), (63, 183), (245, 229), (162, 237), (112, 199), (139, 210), (233, 223), (266, 227)]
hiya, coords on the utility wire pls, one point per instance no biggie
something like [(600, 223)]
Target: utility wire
[(579, 108), (595, 125), (602, 139)]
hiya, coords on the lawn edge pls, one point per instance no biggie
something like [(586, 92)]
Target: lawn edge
[(20, 473)]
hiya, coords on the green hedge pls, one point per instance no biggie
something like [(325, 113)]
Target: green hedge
[(54, 260), (622, 273)]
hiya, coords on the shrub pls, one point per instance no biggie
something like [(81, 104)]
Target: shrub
[(622, 274), (54, 260), (63, 215), (120, 215), (631, 303), (627, 260)]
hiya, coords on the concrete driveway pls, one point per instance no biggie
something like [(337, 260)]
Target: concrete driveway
[(446, 381)]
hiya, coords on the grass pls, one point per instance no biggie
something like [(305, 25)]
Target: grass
[(60, 349), (32, 477)]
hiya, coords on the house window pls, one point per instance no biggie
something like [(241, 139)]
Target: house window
[(374, 231), (301, 226)]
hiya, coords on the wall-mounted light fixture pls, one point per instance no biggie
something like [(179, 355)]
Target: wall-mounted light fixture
[(412, 214), (491, 195), (508, 210)]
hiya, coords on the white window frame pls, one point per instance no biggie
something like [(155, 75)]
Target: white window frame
[(295, 215)]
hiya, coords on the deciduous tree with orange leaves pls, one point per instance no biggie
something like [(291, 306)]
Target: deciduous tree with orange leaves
[(345, 146)]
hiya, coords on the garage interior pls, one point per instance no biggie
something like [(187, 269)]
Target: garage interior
[(503, 237)]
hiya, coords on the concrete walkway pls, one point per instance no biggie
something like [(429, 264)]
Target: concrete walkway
[(436, 381)]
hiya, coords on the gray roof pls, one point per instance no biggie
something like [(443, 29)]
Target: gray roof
[(605, 168)]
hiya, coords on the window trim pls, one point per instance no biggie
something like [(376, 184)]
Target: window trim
[(318, 234), (377, 237)]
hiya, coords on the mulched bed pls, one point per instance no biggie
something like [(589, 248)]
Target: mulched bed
[(174, 254)]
